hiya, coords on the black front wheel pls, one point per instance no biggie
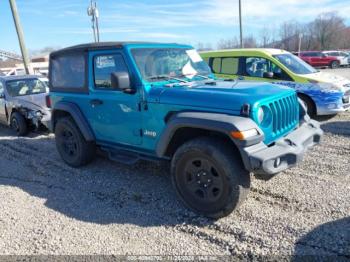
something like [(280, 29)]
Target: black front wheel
[(209, 177), (71, 145), (309, 104), (19, 124)]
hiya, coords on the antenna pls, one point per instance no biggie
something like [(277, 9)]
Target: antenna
[(93, 12)]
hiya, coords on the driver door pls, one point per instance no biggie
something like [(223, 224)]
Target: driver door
[(113, 115)]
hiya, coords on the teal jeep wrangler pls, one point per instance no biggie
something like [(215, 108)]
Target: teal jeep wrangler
[(161, 102)]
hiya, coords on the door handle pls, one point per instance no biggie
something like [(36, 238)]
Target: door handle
[(96, 102)]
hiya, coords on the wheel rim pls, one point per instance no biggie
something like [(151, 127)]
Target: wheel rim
[(15, 125), (69, 143), (203, 180)]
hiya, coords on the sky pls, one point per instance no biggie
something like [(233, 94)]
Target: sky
[(61, 23)]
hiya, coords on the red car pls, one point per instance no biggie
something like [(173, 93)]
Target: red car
[(319, 59)]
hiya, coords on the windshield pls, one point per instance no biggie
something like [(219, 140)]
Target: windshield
[(25, 87), (295, 64), (156, 64)]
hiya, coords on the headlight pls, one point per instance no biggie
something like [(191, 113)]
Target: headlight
[(264, 116), (329, 87)]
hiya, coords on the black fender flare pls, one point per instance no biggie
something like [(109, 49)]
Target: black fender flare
[(222, 123), (77, 115)]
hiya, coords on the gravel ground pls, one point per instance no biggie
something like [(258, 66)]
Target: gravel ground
[(108, 208), (343, 71)]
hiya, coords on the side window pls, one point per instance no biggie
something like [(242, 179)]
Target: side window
[(256, 66), (68, 72), (216, 66), (311, 54), (104, 66), (229, 65)]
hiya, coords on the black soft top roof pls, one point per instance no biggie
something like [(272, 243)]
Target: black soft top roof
[(94, 46)]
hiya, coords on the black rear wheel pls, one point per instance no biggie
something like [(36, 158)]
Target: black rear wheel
[(19, 124), (209, 177), (71, 145)]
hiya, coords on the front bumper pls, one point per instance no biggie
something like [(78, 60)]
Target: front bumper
[(335, 108), (285, 153)]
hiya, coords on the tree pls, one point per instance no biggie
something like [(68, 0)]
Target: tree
[(265, 37), (204, 47), (228, 43), (289, 34), (328, 29), (44, 51), (250, 42)]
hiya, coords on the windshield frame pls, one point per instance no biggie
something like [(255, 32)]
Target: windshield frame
[(170, 78), (305, 65)]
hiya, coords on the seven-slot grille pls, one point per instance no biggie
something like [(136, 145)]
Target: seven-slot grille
[(285, 114)]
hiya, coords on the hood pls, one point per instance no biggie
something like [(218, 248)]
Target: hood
[(35, 102), (341, 82), (224, 95)]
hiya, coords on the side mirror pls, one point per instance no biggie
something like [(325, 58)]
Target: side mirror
[(2, 96), (268, 75), (121, 81)]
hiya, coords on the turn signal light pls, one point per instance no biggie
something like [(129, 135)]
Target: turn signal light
[(241, 135)]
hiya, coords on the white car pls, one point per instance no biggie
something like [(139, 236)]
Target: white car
[(23, 103), (343, 57)]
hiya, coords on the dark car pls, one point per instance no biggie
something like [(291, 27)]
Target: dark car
[(319, 59), (23, 103)]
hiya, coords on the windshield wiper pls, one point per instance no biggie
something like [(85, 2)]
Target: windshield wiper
[(165, 77), (202, 76)]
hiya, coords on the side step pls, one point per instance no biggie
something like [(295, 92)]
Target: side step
[(122, 156)]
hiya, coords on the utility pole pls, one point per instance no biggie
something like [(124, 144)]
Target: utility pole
[(240, 24), (20, 36), (93, 12)]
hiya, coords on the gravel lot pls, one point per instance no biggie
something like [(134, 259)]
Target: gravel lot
[(47, 207), (343, 71)]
